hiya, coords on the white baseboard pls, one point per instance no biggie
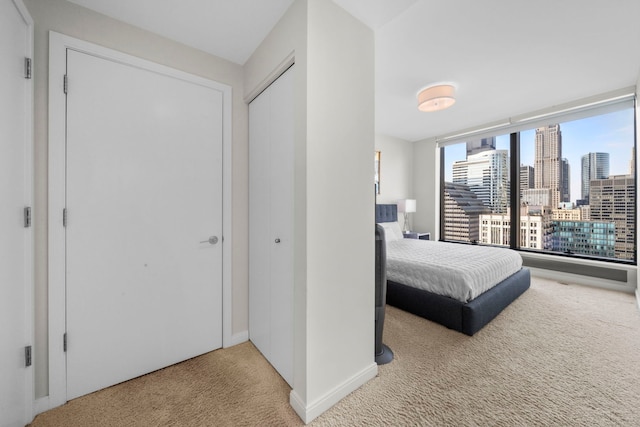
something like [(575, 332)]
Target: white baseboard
[(239, 338), (309, 412)]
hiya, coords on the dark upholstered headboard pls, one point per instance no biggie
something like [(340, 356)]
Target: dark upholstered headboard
[(386, 213)]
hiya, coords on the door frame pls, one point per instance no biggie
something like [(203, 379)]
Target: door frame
[(58, 45)]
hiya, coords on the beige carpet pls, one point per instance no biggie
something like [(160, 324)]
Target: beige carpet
[(560, 355)]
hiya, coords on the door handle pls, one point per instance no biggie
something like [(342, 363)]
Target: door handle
[(277, 240), (212, 240)]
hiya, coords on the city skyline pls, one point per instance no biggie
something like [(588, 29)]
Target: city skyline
[(612, 133)]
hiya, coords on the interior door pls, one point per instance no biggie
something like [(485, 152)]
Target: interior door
[(16, 394), (271, 140), (143, 221), (281, 177)]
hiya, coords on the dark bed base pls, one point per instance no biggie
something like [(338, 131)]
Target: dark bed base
[(467, 318)]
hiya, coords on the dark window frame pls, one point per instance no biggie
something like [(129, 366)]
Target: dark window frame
[(514, 201)]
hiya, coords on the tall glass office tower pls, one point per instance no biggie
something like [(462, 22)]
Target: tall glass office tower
[(487, 175), (594, 166)]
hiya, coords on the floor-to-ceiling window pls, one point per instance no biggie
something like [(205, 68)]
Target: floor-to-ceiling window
[(565, 185), (476, 187)]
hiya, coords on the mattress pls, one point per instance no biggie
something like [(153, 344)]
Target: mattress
[(459, 271)]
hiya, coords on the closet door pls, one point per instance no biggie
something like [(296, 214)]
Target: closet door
[(271, 224), (260, 243)]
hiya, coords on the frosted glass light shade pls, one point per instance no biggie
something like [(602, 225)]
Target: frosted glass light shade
[(407, 205), (436, 98)]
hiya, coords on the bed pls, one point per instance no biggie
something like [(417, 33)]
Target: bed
[(466, 307)]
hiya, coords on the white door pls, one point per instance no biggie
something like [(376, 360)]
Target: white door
[(16, 393), (271, 140), (143, 224)]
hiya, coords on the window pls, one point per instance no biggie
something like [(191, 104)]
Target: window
[(583, 171), (476, 189), (572, 179)]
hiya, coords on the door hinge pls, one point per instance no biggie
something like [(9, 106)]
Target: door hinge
[(27, 356), (27, 68), (64, 342), (27, 217), (65, 84), (64, 217)]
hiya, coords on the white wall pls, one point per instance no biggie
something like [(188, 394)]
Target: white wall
[(396, 168), (396, 172), (334, 276), (340, 146), (426, 166), (411, 170), (75, 21)]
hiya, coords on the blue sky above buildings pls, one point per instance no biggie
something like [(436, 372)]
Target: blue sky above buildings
[(611, 133)]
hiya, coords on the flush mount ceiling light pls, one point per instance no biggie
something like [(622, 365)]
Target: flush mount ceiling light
[(436, 97)]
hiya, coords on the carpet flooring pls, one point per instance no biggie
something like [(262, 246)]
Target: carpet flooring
[(560, 355)]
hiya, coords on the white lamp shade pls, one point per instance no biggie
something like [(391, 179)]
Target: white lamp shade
[(407, 205), (436, 98)]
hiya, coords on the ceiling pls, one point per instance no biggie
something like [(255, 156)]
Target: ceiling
[(230, 29), (505, 57)]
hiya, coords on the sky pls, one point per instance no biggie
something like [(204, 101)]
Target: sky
[(611, 133)]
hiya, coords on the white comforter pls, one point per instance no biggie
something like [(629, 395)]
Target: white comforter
[(459, 271)]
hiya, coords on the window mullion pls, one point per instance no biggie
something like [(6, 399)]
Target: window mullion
[(514, 188)]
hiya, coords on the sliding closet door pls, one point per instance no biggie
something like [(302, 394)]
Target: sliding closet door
[(271, 130)]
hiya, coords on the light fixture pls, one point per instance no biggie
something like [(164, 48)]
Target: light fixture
[(406, 206), (436, 97)]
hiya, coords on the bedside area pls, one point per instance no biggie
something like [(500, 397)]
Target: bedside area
[(416, 235)]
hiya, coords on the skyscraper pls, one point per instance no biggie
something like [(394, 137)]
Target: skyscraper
[(480, 145), (462, 209), (526, 178), (548, 161), (594, 166), (487, 175), (614, 199)]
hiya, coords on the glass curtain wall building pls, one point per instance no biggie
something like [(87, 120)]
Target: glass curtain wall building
[(594, 166)]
